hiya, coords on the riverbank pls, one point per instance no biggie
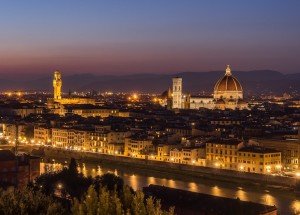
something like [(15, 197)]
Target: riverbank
[(241, 178)]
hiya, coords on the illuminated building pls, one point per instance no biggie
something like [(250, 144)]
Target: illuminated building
[(10, 131), (58, 100), (188, 155), (70, 138), (227, 94), (137, 147), (289, 148), (91, 111), (57, 85), (107, 141), (223, 153), (259, 160), (177, 93), (163, 152), (42, 135)]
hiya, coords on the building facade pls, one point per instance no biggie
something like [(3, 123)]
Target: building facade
[(227, 94), (223, 153), (138, 147), (261, 160), (177, 99), (18, 170), (58, 100)]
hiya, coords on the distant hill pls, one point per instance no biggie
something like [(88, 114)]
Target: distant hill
[(253, 82)]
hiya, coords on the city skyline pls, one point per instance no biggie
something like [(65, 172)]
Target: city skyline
[(141, 37), (149, 107)]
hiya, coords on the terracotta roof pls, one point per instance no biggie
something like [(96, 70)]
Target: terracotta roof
[(228, 83)]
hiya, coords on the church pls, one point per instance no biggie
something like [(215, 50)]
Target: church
[(227, 94)]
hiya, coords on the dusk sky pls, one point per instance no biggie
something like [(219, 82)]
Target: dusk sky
[(162, 36)]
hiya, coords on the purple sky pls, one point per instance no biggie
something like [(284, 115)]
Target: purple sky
[(121, 37)]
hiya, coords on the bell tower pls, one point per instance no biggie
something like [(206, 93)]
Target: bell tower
[(177, 93), (57, 84)]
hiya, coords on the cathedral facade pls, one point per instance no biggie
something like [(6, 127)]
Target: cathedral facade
[(227, 94)]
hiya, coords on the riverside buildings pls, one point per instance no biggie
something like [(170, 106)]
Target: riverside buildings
[(195, 132)]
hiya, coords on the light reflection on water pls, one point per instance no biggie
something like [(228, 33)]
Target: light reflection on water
[(286, 202), (296, 206)]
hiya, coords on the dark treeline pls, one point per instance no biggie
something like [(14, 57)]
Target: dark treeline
[(69, 192)]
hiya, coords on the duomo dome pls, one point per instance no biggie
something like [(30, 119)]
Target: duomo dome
[(228, 87)]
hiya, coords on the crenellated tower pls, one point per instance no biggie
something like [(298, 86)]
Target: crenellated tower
[(57, 85)]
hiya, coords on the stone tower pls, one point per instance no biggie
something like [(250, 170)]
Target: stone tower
[(57, 84), (177, 93)]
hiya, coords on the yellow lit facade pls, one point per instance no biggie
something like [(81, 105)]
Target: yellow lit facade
[(163, 152), (10, 132), (191, 156), (96, 112), (223, 154), (70, 138), (290, 151), (137, 148), (42, 135), (259, 160), (57, 94), (57, 85), (107, 141)]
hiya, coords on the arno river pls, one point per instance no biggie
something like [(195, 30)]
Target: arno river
[(286, 201)]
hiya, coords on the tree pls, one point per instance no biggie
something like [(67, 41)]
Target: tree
[(109, 203), (28, 201), (73, 167), (138, 205), (110, 181), (72, 183)]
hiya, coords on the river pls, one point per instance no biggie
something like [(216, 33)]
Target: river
[(286, 201)]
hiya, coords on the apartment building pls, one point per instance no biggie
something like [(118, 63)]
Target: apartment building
[(138, 147), (289, 148), (223, 153), (10, 131), (188, 155), (70, 138), (103, 140), (258, 159), (42, 135)]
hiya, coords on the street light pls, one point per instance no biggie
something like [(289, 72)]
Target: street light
[(59, 186)]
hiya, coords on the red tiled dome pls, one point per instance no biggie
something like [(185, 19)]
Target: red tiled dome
[(228, 83)]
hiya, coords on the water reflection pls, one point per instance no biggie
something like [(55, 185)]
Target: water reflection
[(216, 191), (133, 182), (295, 207), (242, 195), (193, 187), (286, 202), (268, 199), (171, 183)]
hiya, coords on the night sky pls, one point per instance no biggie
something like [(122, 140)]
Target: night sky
[(158, 36)]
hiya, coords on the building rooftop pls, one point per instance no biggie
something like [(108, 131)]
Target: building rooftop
[(226, 141), (258, 149)]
